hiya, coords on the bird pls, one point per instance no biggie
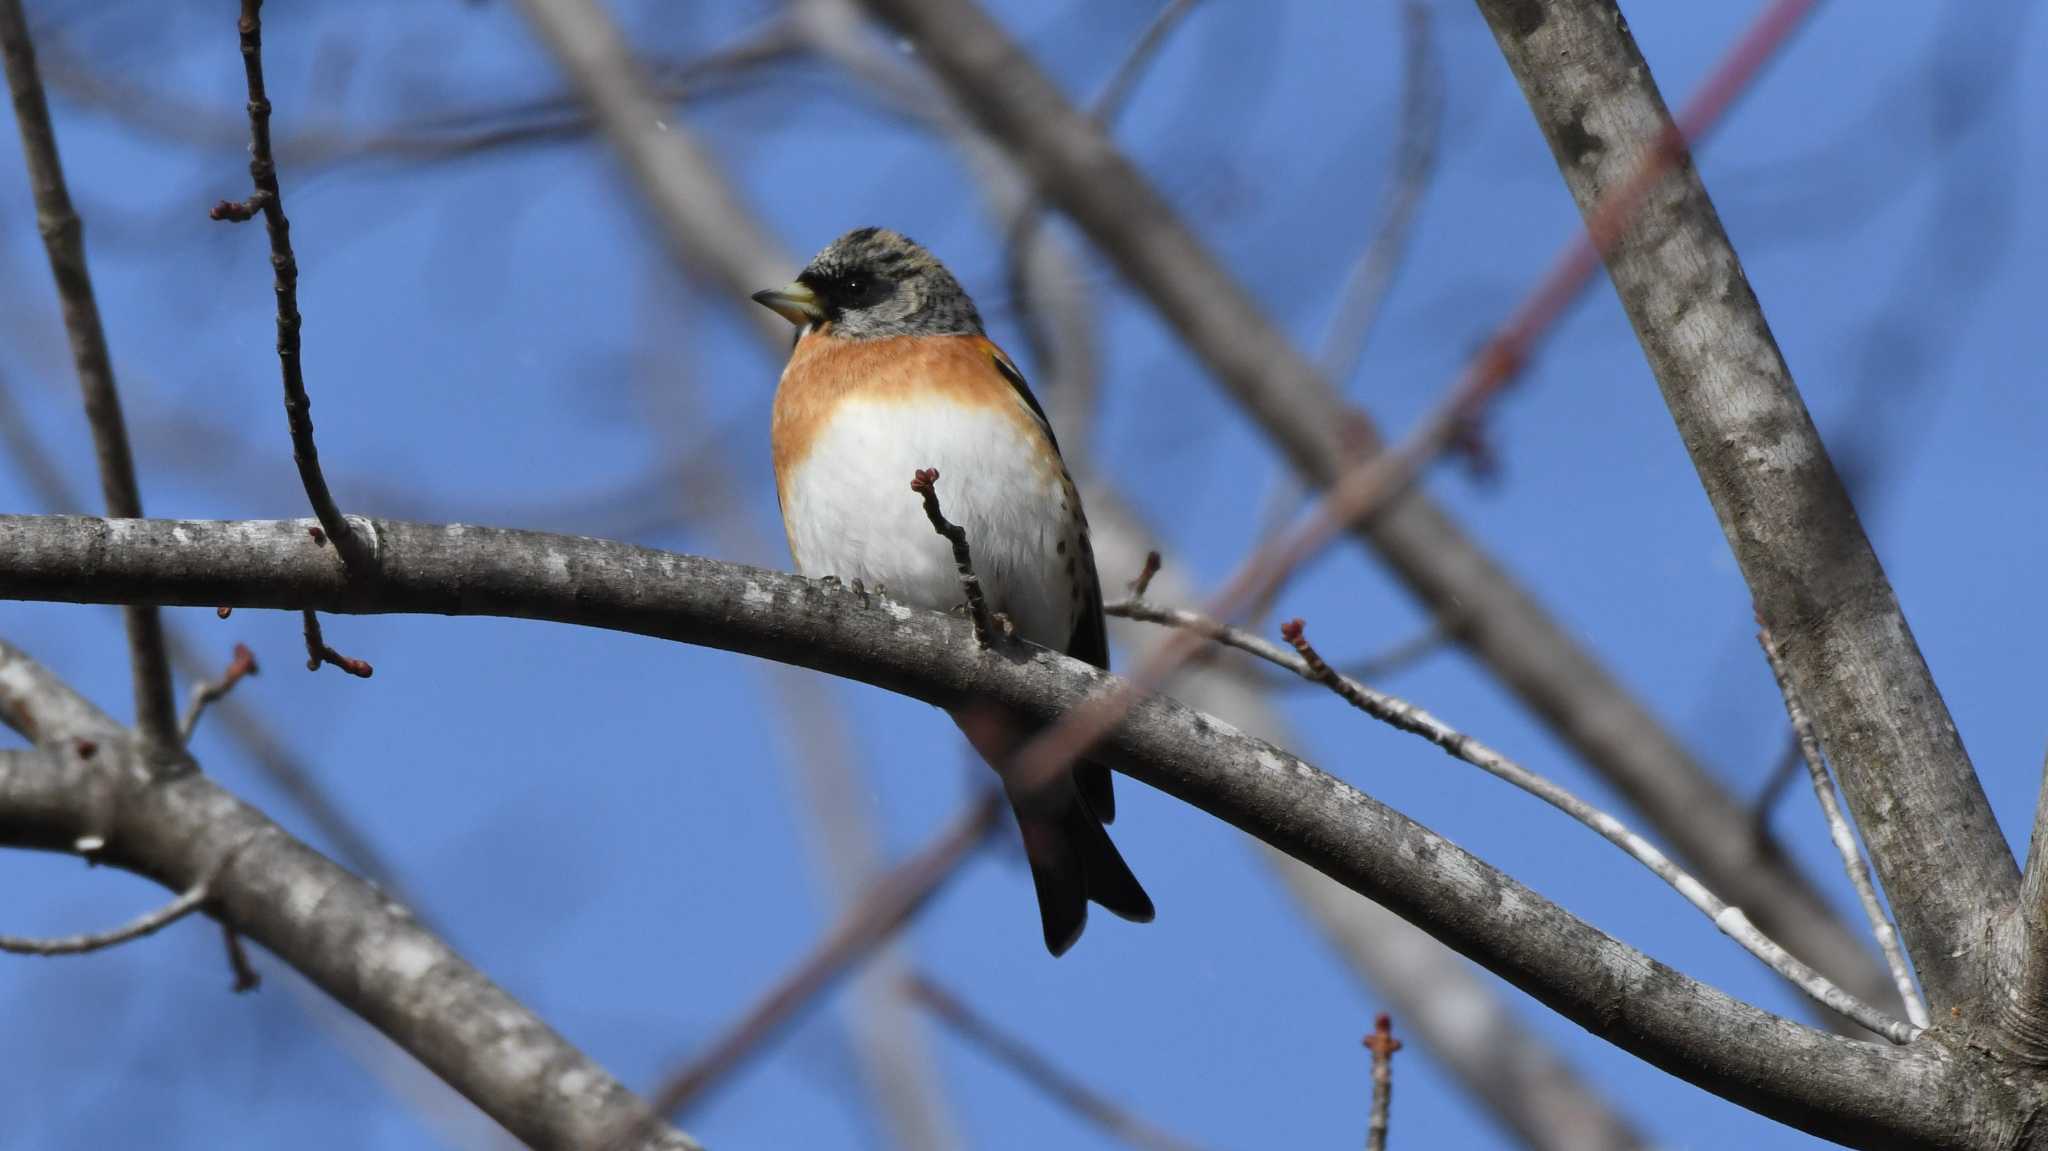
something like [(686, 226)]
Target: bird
[(892, 373)]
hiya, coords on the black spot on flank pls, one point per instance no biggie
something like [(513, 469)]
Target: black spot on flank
[(1070, 566), (1062, 548)]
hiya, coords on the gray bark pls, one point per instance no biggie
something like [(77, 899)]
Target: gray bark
[(88, 788), (1081, 171), (1818, 585), (1857, 1093)]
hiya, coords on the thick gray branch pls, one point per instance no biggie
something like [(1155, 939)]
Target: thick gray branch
[(338, 931), (1459, 1015), (1081, 171), (1817, 584), (1841, 1089)]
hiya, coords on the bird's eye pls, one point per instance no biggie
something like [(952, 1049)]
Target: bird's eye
[(854, 288)]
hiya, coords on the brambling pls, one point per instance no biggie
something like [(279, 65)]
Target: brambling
[(892, 374)]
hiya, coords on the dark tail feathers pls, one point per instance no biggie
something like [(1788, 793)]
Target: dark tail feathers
[(1073, 861)]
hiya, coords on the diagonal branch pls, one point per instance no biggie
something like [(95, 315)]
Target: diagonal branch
[(1047, 1076), (370, 954), (893, 901), (64, 242), (1858, 1093), (1082, 172), (1817, 584)]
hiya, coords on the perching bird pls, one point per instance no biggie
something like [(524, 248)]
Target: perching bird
[(893, 374)]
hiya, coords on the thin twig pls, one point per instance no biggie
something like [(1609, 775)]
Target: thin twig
[(205, 693), (1307, 663), (1035, 1069), (268, 199), (1365, 289), (149, 924), (64, 243), (1382, 1044), (1767, 796), (1143, 583), (317, 651), (1844, 837), (926, 484), (893, 901), (1030, 213), (246, 979)]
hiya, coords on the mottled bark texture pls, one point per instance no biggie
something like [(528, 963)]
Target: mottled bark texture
[(88, 789), (1465, 1022), (1858, 1093), (1081, 172), (1817, 584)]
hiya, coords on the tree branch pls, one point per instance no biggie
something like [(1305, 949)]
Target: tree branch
[(149, 923), (689, 191), (1853, 1092), (1818, 585), (891, 902), (1042, 1073), (268, 200), (342, 934), (64, 242), (1844, 837), (1080, 170)]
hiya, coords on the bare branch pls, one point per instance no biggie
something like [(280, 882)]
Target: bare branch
[(343, 935), (64, 243), (268, 199), (699, 214), (1853, 1092), (1080, 170), (1817, 584), (1462, 1018), (262, 745), (926, 484), (1844, 838), (43, 708), (207, 692), (147, 924), (893, 901), (1382, 1044), (1731, 920), (317, 652), (1415, 149), (1035, 1069)]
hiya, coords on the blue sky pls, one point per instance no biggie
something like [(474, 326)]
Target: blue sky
[(612, 827)]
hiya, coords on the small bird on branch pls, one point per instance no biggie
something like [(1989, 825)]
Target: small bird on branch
[(892, 376)]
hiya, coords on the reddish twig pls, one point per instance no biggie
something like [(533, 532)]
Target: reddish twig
[(1376, 479), (204, 694), (317, 652), (1143, 583), (268, 201), (64, 244), (1037, 1070), (926, 484), (893, 901), (1382, 1044)]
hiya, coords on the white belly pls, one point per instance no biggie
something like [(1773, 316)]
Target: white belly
[(850, 512)]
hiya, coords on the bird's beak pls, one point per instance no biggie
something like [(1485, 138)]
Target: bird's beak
[(796, 303)]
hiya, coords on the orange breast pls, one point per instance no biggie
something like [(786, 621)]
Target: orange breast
[(823, 371)]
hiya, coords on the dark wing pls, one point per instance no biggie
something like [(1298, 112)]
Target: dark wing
[(1090, 641)]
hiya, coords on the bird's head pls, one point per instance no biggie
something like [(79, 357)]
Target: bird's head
[(871, 284)]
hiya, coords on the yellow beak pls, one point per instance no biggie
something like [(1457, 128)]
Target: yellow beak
[(796, 303)]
